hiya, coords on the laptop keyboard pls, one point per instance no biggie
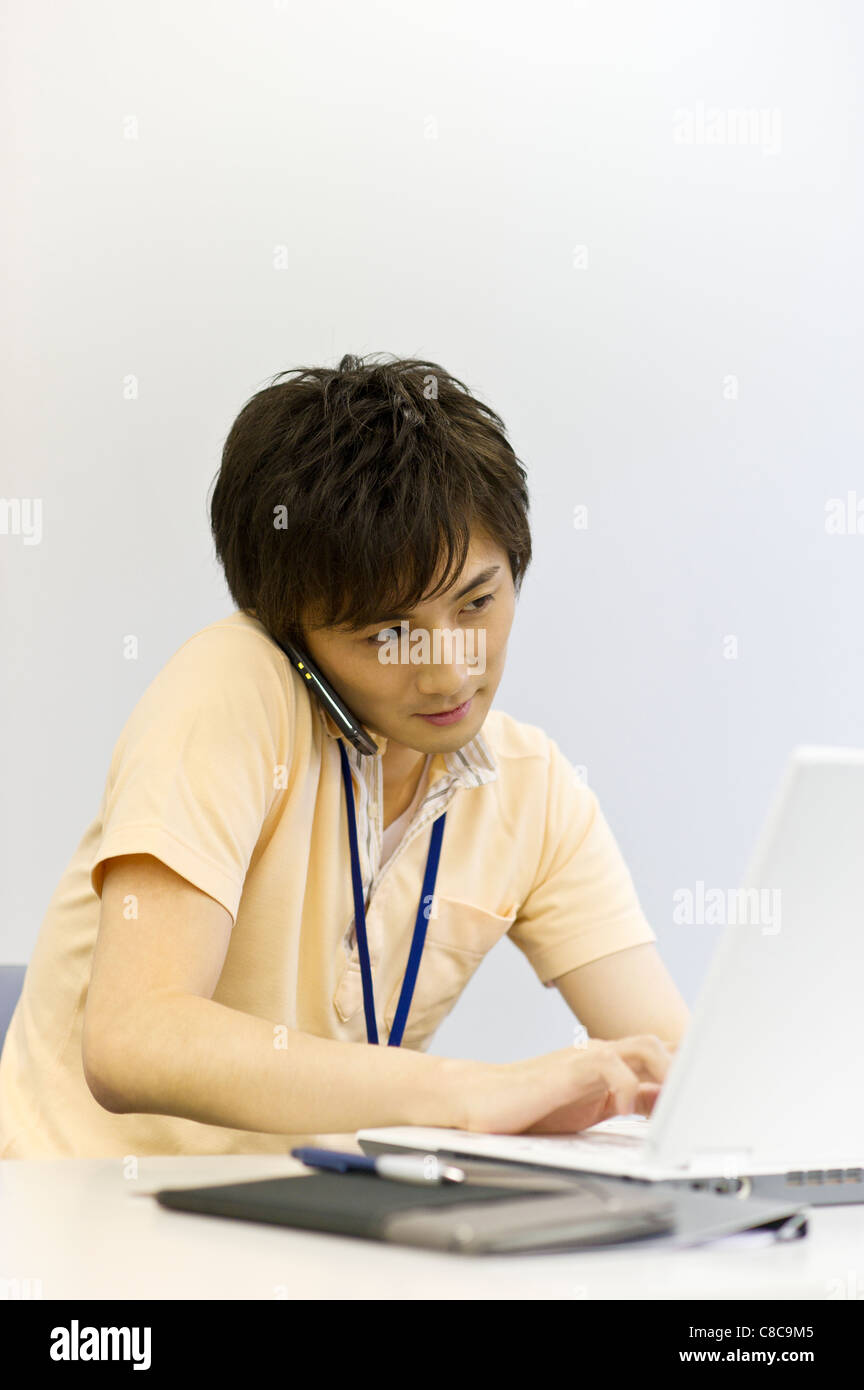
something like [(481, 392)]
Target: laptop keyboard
[(625, 1131), (600, 1140)]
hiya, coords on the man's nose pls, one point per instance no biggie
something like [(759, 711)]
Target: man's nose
[(446, 672)]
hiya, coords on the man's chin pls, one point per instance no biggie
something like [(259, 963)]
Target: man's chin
[(446, 737)]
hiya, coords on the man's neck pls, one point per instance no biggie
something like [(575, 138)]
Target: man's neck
[(401, 770)]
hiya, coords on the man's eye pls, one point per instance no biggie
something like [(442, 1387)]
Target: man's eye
[(485, 600), (386, 634)]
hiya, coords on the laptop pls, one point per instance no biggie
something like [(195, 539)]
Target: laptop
[(763, 1096)]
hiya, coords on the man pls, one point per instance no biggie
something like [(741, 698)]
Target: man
[(199, 984)]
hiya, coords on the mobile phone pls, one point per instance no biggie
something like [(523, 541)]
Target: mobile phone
[(336, 708)]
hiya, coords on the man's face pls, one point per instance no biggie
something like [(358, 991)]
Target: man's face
[(390, 698)]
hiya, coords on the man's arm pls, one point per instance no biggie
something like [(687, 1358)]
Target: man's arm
[(628, 992), (155, 1041)]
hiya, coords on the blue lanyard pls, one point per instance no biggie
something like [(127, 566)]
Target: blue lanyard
[(419, 936)]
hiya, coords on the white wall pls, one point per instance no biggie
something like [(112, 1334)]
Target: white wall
[(691, 375)]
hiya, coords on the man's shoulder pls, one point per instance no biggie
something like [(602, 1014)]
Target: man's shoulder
[(230, 664), (227, 637), (513, 739), (536, 780)]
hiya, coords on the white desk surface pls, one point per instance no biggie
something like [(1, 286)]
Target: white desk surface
[(85, 1231)]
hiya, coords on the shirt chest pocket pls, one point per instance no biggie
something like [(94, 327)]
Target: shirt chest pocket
[(458, 936)]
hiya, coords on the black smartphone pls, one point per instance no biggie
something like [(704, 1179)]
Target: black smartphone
[(350, 726)]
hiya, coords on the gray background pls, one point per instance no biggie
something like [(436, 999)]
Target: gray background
[(208, 193)]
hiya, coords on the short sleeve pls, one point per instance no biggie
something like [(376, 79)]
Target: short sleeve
[(194, 772), (582, 904)]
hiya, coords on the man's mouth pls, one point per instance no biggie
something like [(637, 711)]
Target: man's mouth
[(448, 716)]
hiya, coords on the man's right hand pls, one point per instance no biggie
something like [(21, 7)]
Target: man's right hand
[(569, 1090)]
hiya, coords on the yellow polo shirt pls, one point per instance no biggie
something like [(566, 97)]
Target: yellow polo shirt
[(228, 771)]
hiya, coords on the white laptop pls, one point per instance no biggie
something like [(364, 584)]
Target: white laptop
[(769, 1079)]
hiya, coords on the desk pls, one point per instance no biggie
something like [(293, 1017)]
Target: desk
[(85, 1231)]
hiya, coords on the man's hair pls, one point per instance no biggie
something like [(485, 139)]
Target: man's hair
[(341, 493)]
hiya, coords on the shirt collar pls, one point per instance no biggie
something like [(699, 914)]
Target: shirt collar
[(472, 765)]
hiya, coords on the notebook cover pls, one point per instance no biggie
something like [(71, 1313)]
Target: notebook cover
[(363, 1204), (354, 1203)]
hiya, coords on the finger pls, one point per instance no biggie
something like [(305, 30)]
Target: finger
[(646, 1097), (621, 1082), (648, 1057)]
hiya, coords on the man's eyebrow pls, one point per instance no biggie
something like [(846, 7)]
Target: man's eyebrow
[(478, 579)]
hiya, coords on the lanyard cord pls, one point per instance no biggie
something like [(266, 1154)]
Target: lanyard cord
[(420, 924)]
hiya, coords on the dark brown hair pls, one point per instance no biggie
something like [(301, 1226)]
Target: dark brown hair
[(341, 491)]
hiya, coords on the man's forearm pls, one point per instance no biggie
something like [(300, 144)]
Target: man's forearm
[(180, 1054)]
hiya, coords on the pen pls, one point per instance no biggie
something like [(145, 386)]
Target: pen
[(416, 1168)]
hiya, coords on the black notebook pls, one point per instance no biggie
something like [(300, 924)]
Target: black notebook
[(466, 1217)]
